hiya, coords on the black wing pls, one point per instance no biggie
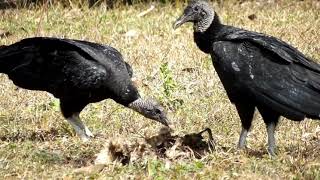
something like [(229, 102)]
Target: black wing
[(69, 69), (102, 54), (284, 85), (99, 52), (129, 69), (285, 51), (59, 65)]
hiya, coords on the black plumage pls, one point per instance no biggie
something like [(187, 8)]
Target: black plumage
[(78, 73), (257, 70)]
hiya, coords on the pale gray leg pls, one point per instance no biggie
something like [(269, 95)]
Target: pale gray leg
[(271, 119), (82, 131), (271, 127), (242, 139), (246, 112)]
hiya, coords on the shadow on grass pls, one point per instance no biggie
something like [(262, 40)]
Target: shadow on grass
[(7, 5), (84, 160), (307, 150), (77, 155), (256, 153), (73, 159), (40, 135), (312, 149)]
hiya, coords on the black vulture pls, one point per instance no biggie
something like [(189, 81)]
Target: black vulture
[(78, 73), (257, 71)]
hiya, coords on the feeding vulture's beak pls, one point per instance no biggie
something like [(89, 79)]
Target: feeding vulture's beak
[(165, 122), (185, 17)]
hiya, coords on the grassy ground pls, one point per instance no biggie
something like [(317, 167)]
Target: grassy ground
[(35, 140)]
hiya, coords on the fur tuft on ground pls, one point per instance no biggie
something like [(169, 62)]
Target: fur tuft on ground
[(164, 145)]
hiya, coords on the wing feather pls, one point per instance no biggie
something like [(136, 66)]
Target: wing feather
[(285, 51), (290, 87)]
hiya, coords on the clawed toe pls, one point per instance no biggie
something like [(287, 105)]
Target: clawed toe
[(271, 152), (86, 138), (241, 147), (88, 133)]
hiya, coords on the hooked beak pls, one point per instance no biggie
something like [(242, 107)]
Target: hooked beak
[(164, 121), (181, 20)]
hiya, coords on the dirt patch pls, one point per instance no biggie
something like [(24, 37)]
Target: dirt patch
[(167, 145), (164, 145)]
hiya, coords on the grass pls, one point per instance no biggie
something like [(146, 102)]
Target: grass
[(36, 142)]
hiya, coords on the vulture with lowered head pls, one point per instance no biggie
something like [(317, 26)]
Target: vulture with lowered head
[(78, 73)]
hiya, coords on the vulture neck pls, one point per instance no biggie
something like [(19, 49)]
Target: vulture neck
[(205, 39)]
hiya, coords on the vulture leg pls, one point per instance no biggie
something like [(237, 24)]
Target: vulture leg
[(271, 119), (271, 127), (81, 129), (245, 111), (71, 111)]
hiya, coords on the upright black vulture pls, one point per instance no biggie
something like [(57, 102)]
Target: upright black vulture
[(256, 70), (76, 72)]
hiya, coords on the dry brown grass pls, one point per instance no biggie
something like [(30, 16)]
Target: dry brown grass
[(35, 140)]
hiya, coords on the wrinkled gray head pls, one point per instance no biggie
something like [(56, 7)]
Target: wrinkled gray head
[(150, 109), (199, 13)]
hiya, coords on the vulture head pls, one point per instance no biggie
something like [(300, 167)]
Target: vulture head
[(150, 109), (199, 13)]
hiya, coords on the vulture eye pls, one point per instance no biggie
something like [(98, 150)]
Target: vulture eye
[(196, 8), (158, 111)]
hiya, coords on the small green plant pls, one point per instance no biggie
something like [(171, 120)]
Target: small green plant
[(156, 168), (55, 104), (169, 86)]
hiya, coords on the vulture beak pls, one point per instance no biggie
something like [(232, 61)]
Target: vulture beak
[(165, 121), (181, 20)]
